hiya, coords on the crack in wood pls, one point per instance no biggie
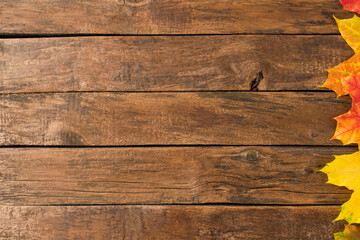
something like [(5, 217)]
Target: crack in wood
[(255, 83)]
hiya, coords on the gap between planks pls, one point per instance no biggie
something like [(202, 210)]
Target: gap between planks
[(21, 36), (181, 91), (177, 146), (219, 205)]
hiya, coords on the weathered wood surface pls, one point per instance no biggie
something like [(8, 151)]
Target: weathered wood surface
[(246, 175), (216, 118), (102, 182), (168, 222), (169, 16), (182, 63)]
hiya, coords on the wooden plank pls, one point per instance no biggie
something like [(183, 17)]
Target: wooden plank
[(169, 17), (182, 63), (231, 118), (168, 222), (246, 175)]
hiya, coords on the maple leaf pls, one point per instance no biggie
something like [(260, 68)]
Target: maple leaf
[(344, 171), (351, 5), (348, 124), (345, 79), (350, 30), (351, 232), (342, 71)]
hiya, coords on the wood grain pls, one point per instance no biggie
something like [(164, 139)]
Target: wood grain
[(170, 175), (235, 118), (168, 222), (145, 159), (182, 63), (169, 16)]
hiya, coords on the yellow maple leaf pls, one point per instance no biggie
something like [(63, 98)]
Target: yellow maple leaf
[(345, 171), (350, 30)]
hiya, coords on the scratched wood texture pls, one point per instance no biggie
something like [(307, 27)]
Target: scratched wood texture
[(168, 175), (167, 222), (169, 16), (213, 118), (159, 63), (172, 119)]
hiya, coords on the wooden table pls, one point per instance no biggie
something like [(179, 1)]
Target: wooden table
[(171, 119)]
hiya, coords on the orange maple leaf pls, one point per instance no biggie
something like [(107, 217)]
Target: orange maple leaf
[(343, 70), (351, 232), (348, 124)]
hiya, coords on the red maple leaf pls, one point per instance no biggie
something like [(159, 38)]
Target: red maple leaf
[(351, 5)]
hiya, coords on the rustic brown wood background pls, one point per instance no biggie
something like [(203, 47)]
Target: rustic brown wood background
[(168, 119)]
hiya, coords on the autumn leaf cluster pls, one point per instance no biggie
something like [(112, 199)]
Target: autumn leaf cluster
[(345, 79)]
